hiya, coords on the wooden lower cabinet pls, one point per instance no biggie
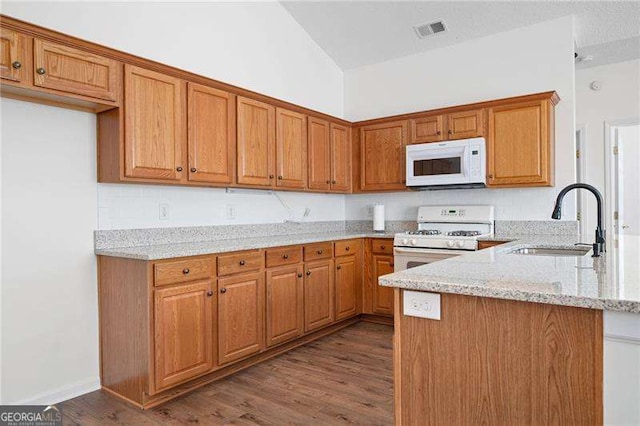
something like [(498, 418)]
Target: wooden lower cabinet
[(382, 297), (318, 294), (183, 334), (284, 307), (498, 362), (240, 316), (347, 283)]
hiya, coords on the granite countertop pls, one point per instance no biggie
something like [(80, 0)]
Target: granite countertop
[(168, 251), (495, 272)]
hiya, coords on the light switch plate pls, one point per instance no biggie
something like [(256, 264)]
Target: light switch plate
[(421, 304)]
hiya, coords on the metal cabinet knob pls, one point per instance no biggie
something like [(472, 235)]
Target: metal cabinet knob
[(242, 262), (490, 176), (319, 251), (285, 256), (223, 290), (347, 248), (333, 182), (16, 64), (270, 176), (382, 247), (185, 271), (450, 132), (438, 132), (279, 177), (210, 293), (299, 274), (328, 182), (193, 170), (308, 273), (338, 267), (179, 168), (41, 71)]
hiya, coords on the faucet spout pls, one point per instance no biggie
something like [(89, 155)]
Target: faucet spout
[(599, 245)]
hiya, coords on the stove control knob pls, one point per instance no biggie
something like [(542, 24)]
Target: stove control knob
[(414, 241), (450, 243), (405, 241), (460, 244)]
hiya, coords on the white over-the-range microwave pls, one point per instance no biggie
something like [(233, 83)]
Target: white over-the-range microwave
[(448, 164)]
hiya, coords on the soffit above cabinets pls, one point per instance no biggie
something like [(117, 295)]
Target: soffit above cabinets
[(358, 33)]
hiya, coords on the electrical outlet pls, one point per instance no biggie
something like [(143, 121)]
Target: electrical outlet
[(230, 211), (369, 211), (163, 211), (421, 304)]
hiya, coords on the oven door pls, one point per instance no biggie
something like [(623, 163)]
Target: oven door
[(406, 258)]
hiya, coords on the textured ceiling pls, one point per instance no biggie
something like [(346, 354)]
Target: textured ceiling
[(357, 33)]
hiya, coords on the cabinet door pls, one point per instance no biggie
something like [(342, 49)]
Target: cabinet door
[(13, 55), (319, 148), (291, 149), (382, 297), (74, 71), (382, 154), (426, 129), (240, 316), (285, 304), (346, 287), (318, 294), (340, 158), (519, 145), (466, 124), (212, 135), (183, 336), (256, 142), (154, 133)]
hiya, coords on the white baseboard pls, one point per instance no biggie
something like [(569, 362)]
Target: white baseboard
[(62, 393)]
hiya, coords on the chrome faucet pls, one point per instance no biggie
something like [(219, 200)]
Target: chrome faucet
[(599, 245)]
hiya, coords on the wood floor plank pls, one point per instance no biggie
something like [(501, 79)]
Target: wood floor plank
[(344, 378)]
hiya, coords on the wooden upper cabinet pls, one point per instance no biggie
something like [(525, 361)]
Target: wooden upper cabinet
[(319, 149), (382, 156), (14, 61), (347, 280), (154, 134), (318, 294), (256, 142), (285, 304), (291, 149), (183, 337), (465, 124), (520, 144), (340, 158), (74, 71), (240, 316), (211, 122), (382, 297), (427, 129)]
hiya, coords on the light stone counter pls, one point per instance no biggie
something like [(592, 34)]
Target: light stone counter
[(495, 272), (168, 251)]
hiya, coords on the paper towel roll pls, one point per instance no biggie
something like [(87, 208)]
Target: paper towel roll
[(378, 217)]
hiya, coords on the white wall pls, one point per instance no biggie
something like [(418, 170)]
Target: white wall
[(49, 189), (137, 206), (49, 294), (618, 99), (526, 60), (258, 46)]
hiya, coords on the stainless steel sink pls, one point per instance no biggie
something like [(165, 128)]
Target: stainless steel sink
[(539, 251)]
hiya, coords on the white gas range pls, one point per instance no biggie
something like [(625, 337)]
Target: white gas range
[(443, 232)]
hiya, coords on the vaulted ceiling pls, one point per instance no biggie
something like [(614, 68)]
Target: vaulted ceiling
[(357, 33)]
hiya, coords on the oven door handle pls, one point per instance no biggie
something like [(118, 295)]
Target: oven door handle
[(402, 250)]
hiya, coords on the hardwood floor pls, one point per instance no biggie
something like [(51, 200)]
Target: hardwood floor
[(346, 377)]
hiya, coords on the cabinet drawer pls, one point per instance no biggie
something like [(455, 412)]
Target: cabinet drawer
[(180, 271), (318, 251), (284, 256), (382, 246), (240, 262), (346, 247)]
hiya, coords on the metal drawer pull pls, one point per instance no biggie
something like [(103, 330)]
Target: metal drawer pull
[(308, 273), (185, 271), (338, 267), (319, 251), (16, 64), (209, 293), (285, 256), (299, 274), (242, 262), (41, 71), (223, 290), (347, 248)]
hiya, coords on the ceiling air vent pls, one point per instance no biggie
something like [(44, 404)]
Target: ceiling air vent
[(425, 30)]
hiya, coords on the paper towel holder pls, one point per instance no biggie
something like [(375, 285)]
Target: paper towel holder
[(378, 218)]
